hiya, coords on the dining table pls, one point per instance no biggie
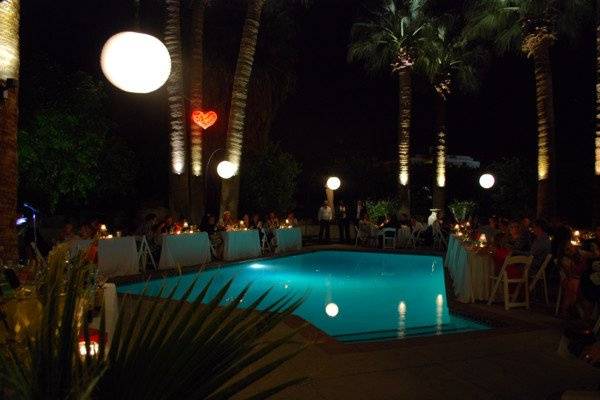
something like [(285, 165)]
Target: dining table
[(117, 256), (240, 244), (470, 267), (288, 239), (184, 250)]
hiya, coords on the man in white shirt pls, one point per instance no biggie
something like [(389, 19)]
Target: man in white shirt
[(325, 216)]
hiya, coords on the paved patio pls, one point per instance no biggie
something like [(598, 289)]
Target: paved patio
[(502, 365)]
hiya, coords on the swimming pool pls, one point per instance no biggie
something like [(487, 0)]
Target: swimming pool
[(351, 296)]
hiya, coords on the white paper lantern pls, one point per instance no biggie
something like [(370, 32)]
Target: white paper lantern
[(332, 310), (333, 183), (487, 181), (226, 169), (135, 62)]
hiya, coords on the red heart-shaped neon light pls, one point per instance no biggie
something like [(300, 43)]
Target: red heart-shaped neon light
[(204, 119)]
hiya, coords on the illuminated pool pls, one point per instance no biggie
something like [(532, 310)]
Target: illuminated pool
[(351, 296)]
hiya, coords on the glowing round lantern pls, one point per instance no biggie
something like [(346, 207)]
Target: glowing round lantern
[(226, 169), (487, 181), (333, 183), (332, 310), (135, 62)]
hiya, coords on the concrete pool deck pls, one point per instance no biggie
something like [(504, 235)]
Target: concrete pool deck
[(515, 362)]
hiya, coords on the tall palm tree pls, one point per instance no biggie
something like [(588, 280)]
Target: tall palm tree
[(387, 41), (178, 178), (230, 188), (532, 26), (197, 194), (444, 59), (9, 115), (597, 138)]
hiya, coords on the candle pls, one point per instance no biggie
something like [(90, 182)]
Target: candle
[(482, 238), (118, 234), (109, 236), (185, 224), (576, 233), (103, 227)]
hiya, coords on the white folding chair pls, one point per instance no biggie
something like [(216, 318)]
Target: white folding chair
[(358, 236), (144, 253), (265, 246), (439, 241), (541, 276), (389, 238), (563, 276), (405, 238), (502, 277)]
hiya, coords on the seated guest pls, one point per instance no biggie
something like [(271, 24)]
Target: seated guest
[(291, 219), (147, 226), (246, 221), (416, 225), (491, 229), (167, 225), (517, 241), (68, 233), (86, 232), (404, 220), (572, 265), (541, 245), (272, 221), (226, 223), (256, 223)]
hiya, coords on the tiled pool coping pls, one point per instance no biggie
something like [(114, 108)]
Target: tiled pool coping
[(500, 324)]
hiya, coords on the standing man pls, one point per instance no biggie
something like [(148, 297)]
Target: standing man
[(325, 217), (343, 222)]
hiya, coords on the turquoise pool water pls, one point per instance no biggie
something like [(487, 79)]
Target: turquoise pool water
[(351, 296)]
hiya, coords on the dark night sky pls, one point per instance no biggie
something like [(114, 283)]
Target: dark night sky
[(337, 105)]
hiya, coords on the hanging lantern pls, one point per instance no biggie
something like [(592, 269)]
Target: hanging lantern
[(487, 181), (226, 169), (333, 183), (135, 62), (204, 119)]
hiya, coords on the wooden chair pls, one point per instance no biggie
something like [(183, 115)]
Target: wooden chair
[(439, 241), (541, 276), (503, 278)]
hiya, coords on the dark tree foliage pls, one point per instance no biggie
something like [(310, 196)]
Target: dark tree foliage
[(69, 155), (513, 195), (269, 181)]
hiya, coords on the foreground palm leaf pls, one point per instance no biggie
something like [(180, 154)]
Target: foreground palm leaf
[(162, 348), (48, 365), (169, 349)]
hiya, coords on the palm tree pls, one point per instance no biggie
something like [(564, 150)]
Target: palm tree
[(230, 188), (597, 138), (444, 59), (9, 115), (197, 194), (532, 26), (387, 41), (178, 178)]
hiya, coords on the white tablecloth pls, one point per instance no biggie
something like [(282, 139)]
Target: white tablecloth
[(184, 250), (118, 256), (240, 244), (288, 239), (79, 245), (470, 271)]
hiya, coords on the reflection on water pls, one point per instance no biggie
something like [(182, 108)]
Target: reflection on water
[(401, 320), (332, 310), (439, 313)]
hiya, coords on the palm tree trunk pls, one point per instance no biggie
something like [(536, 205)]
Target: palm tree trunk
[(230, 189), (597, 138), (9, 115), (197, 200), (546, 197), (178, 179), (404, 121), (439, 156)]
